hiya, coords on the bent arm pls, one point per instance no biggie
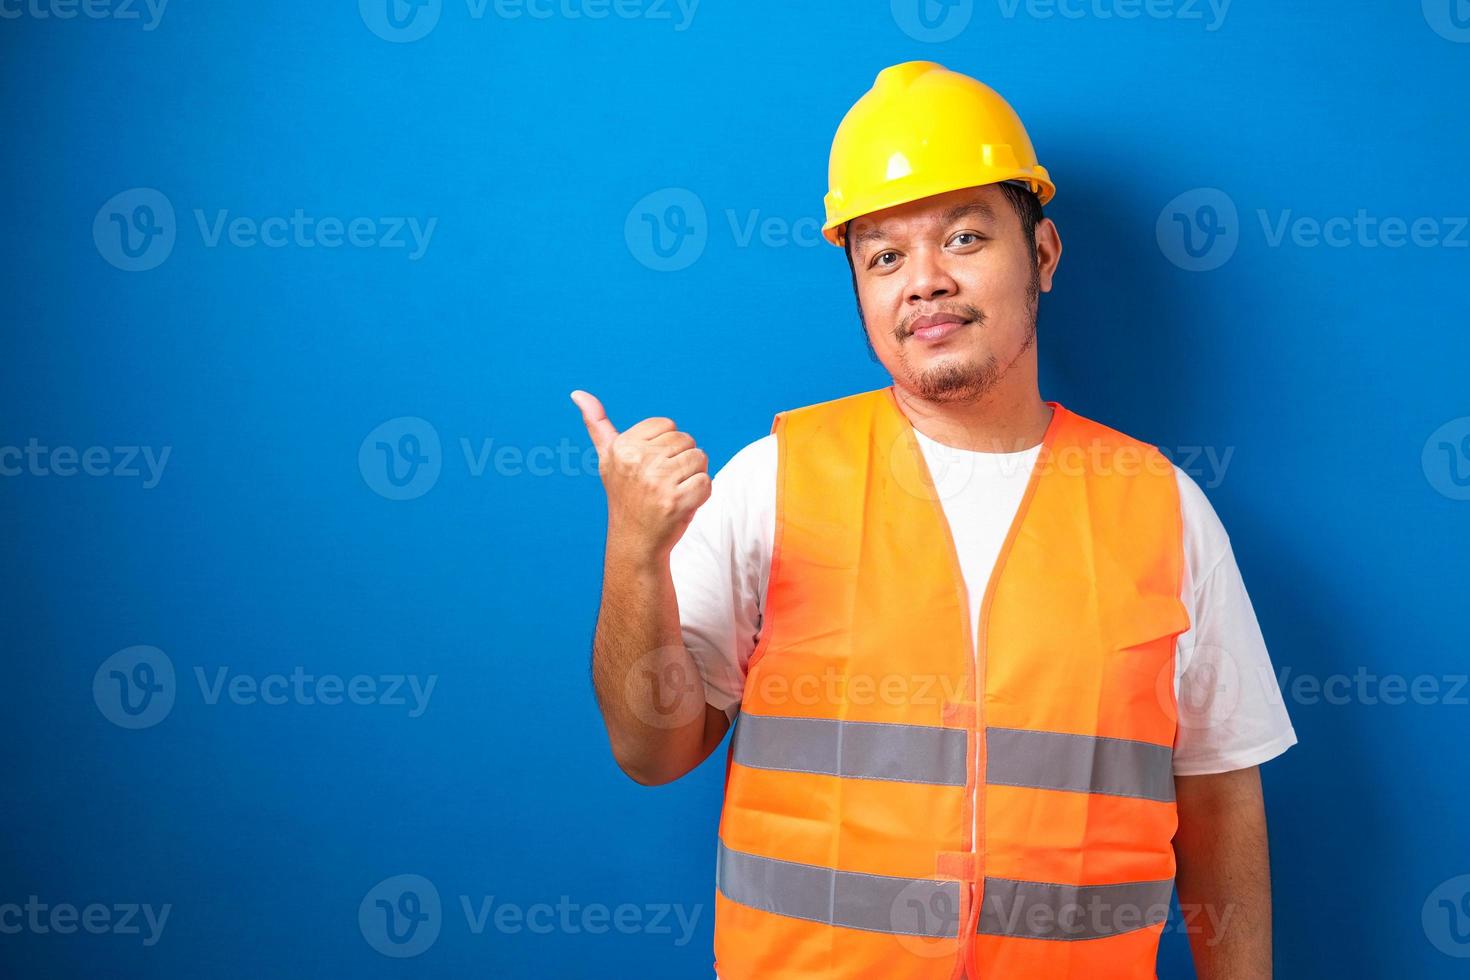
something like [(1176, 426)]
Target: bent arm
[(647, 685), (1224, 875)]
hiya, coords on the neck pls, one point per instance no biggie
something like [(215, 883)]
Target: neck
[(999, 421)]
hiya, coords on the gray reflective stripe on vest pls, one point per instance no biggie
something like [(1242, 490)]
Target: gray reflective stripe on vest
[(877, 903), (929, 754), (1039, 910), (930, 908), (856, 749), (1081, 763)]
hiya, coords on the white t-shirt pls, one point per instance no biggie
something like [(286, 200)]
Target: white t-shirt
[(1231, 713)]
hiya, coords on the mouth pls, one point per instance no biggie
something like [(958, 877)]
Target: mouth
[(936, 326)]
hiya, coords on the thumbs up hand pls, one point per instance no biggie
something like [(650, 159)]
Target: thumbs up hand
[(655, 478)]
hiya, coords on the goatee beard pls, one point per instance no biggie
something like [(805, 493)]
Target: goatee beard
[(970, 381)]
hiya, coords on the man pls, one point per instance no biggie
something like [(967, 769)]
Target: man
[(954, 620)]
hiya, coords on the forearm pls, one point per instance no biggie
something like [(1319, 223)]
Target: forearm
[(648, 687), (1224, 877)]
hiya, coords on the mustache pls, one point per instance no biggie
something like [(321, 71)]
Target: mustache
[(971, 313)]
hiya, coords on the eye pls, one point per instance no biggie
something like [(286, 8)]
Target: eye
[(966, 238), (878, 260)]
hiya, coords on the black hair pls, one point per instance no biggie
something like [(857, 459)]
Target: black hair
[(1026, 205)]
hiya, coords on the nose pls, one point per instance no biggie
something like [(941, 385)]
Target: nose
[(930, 278)]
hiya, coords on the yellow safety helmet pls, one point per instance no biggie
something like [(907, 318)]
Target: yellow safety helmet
[(923, 130)]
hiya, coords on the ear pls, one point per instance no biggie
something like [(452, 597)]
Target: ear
[(1048, 252)]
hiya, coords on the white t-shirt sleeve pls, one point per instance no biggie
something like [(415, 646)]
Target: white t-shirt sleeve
[(720, 568), (1231, 712)]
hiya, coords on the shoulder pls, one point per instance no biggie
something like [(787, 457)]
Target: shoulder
[(731, 531), (753, 464), (1092, 433), (743, 492), (843, 403), (1205, 539), (853, 412)]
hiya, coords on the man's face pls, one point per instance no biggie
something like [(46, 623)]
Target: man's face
[(948, 289)]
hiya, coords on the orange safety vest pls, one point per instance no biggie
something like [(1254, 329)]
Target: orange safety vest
[(880, 819)]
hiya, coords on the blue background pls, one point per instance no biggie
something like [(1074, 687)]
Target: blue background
[(266, 546)]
